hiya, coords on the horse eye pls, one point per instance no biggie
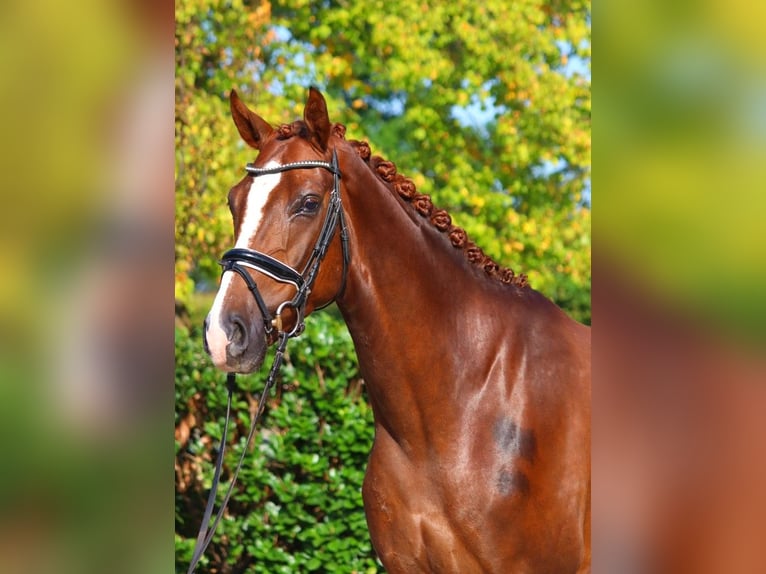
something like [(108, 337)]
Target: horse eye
[(310, 204)]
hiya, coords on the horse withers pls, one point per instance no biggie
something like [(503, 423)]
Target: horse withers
[(479, 385)]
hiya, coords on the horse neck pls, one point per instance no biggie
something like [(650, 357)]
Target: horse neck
[(398, 304), (400, 264)]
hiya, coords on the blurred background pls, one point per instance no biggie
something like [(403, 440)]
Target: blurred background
[(679, 385), (86, 248)]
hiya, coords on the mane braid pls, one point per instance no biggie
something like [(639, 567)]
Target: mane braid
[(386, 171)]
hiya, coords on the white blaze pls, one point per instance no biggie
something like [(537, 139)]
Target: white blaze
[(257, 197)]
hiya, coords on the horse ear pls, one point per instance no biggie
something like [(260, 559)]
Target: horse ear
[(316, 118), (252, 127)]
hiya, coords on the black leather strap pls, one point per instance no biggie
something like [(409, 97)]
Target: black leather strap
[(207, 530), (265, 264)]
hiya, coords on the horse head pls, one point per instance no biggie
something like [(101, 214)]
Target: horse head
[(287, 259)]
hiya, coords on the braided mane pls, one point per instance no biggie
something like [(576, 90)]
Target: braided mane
[(386, 171)]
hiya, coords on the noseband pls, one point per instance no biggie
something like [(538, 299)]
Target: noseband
[(239, 258)]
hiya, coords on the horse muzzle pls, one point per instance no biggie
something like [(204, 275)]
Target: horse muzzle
[(235, 343)]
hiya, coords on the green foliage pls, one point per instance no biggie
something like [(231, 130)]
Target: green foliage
[(216, 43), (297, 506), (478, 102)]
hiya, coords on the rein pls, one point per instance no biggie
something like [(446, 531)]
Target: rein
[(237, 260), (207, 530)]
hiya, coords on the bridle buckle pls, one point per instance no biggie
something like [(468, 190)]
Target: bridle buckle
[(299, 326)]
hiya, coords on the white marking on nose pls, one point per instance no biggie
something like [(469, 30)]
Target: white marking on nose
[(257, 197), (215, 336)]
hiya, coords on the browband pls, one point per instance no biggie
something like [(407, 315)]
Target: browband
[(307, 164)]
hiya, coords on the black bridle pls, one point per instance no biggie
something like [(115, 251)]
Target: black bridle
[(237, 260)]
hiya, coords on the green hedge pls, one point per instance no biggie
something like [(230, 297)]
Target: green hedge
[(297, 506)]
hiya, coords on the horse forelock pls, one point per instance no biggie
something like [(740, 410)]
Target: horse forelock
[(297, 128), (405, 188)]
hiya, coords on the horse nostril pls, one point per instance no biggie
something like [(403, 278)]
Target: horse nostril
[(236, 332)]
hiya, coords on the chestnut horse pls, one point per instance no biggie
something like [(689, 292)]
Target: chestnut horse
[(479, 385)]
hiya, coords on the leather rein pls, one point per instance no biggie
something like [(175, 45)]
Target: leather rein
[(238, 260)]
